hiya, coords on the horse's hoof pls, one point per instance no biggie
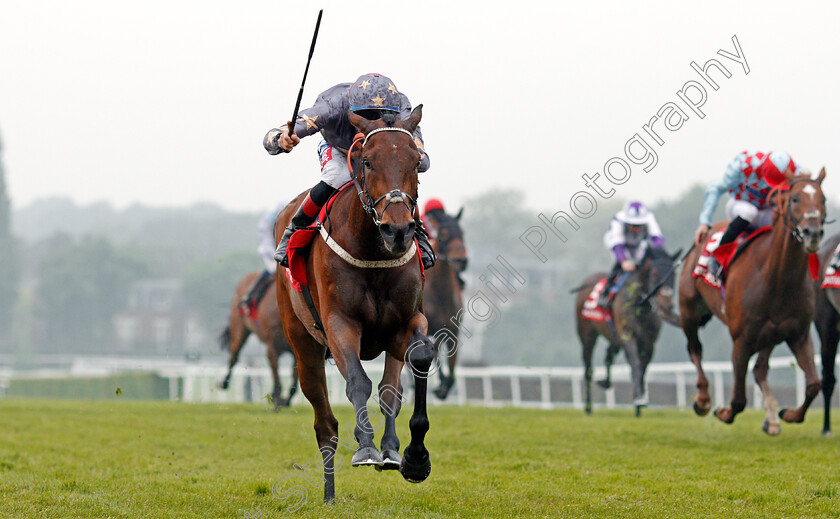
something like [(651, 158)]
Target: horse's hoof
[(827, 433), (588, 409), (720, 411), (441, 392), (700, 411), (789, 419), (391, 460), (416, 472), (224, 384), (366, 456), (639, 411), (774, 429), (605, 384)]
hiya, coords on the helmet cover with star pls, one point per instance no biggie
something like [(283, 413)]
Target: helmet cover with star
[(374, 92)]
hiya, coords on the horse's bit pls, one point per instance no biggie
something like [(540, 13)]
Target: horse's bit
[(395, 195)]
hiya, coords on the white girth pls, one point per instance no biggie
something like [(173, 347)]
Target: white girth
[(381, 264)]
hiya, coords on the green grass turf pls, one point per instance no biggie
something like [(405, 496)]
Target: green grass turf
[(143, 459)]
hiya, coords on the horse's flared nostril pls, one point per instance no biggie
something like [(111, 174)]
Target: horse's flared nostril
[(388, 231)]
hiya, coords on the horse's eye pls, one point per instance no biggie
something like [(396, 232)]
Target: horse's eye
[(366, 163), (795, 199)]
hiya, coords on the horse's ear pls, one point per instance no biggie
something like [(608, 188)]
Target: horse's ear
[(413, 120), (821, 176), (460, 214), (362, 124), (789, 174), (676, 254)]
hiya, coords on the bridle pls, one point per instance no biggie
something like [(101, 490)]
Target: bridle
[(793, 225), (360, 180)]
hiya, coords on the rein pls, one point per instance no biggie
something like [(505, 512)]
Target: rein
[(395, 195)]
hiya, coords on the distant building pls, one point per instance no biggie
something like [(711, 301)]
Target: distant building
[(157, 321)]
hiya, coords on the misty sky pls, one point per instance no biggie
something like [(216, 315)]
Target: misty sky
[(166, 103)]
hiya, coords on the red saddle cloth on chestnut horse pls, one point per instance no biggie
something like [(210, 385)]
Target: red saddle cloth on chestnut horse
[(726, 255)]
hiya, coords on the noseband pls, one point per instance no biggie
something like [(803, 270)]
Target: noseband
[(360, 181), (793, 225)]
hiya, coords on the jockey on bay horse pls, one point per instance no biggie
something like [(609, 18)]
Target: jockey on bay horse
[(372, 96)]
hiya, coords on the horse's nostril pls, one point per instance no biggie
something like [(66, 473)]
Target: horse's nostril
[(410, 228), (387, 230)]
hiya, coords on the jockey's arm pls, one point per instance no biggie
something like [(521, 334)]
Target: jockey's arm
[(309, 121)]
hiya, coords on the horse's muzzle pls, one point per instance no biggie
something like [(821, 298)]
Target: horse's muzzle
[(397, 238), (812, 236)]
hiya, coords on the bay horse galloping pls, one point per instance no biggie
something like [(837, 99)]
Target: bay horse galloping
[(827, 321), (267, 328), (769, 298), (442, 293), (635, 324), (367, 289)]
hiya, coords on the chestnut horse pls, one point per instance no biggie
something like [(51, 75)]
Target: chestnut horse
[(636, 324), (827, 321), (769, 298), (267, 328), (367, 287), (442, 294)]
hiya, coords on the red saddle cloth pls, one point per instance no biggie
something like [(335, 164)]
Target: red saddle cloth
[(832, 273), (591, 310), (299, 245), (725, 254)]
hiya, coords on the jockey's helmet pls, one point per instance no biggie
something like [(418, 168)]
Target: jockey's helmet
[(432, 205), (373, 94), (772, 169), (634, 213)]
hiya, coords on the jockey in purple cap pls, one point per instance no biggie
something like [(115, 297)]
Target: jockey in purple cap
[(632, 231), (373, 96), (749, 178)]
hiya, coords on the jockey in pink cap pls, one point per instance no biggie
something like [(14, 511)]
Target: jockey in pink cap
[(749, 178)]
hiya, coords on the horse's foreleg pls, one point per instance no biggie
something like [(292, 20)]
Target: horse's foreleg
[(826, 320), (771, 424), (390, 402), (588, 342), (631, 350), (344, 339), (740, 362), (271, 353), (419, 354), (803, 350)]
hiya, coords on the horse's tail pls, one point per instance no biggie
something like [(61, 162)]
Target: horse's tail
[(224, 339), (579, 288)]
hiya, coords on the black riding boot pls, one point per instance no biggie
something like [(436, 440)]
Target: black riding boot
[(299, 221), (427, 253), (250, 300), (735, 228)]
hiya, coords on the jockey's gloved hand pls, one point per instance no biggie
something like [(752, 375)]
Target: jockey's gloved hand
[(628, 265)]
